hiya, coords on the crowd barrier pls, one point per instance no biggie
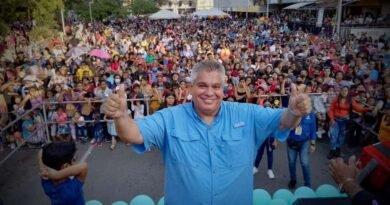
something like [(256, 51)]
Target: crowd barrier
[(260, 197), (43, 108)]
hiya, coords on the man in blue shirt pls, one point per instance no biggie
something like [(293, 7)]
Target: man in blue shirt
[(208, 146), (301, 139)]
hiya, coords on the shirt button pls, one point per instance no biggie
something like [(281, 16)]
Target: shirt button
[(212, 149), (214, 171)]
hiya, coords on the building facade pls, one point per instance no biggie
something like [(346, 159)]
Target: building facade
[(178, 6)]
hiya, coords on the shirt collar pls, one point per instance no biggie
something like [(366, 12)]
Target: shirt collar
[(197, 117)]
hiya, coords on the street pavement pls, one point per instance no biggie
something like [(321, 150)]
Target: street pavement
[(122, 174)]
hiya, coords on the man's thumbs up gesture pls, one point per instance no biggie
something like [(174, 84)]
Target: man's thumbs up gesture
[(115, 105), (299, 103)]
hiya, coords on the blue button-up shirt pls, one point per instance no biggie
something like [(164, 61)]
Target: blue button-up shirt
[(308, 129), (209, 164)]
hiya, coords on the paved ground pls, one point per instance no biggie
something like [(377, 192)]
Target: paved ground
[(121, 174)]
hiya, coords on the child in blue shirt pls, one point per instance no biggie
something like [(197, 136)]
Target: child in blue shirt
[(62, 180), (98, 130)]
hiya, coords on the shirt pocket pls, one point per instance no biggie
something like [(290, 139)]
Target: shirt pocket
[(184, 148), (235, 148)]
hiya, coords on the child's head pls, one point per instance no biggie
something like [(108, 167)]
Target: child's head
[(77, 115), (58, 155), (27, 117), (96, 115), (18, 99), (60, 109), (371, 101)]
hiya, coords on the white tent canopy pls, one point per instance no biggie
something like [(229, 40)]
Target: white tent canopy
[(209, 12), (164, 14), (297, 5)]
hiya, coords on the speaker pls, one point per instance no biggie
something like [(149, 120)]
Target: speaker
[(323, 201)]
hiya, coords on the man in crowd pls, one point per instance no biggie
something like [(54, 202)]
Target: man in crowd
[(208, 145)]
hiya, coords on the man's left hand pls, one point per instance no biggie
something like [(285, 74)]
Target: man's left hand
[(299, 103)]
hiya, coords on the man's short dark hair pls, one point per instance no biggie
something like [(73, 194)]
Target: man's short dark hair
[(56, 154)]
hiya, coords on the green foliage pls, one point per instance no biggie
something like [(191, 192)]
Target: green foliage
[(101, 9), (44, 12), (142, 7), (3, 28), (42, 32)]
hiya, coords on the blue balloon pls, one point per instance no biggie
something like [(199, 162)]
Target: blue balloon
[(261, 197), (93, 202), (305, 192), (142, 200), (119, 203), (343, 195), (293, 199), (327, 190), (278, 202), (283, 194), (161, 201)]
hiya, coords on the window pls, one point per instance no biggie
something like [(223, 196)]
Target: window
[(190, 3), (180, 3), (170, 4)]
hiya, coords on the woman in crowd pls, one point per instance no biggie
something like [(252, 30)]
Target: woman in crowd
[(242, 92), (339, 115)]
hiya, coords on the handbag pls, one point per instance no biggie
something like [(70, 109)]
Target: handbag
[(295, 145)]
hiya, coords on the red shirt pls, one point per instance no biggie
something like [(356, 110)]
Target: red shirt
[(115, 67), (234, 73)]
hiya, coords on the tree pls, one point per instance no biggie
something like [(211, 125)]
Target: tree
[(101, 9), (9, 11), (142, 7), (45, 12)]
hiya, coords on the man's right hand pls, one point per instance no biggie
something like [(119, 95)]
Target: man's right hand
[(115, 105)]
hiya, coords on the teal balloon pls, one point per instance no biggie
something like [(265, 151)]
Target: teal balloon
[(327, 190), (293, 199), (343, 195), (119, 203), (261, 197), (161, 201), (93, 202), (277, 202), (283, 194), (142, 200), (305, 192)]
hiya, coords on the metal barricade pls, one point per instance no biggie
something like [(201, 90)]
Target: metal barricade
[(24, 140), (43, 108)]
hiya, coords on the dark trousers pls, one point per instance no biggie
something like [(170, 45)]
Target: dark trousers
[(267, 145)]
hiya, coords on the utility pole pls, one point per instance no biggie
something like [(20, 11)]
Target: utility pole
[(339, 12), (63, 21), (247, 8), (267, 8), (90, 9)]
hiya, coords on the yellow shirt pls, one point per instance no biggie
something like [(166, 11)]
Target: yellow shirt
[(83, 69), (384, 130)]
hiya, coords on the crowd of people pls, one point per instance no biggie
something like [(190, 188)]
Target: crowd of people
[(262, 58), (63, 82)]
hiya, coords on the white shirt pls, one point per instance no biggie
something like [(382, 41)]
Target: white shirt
[(138, 111)]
